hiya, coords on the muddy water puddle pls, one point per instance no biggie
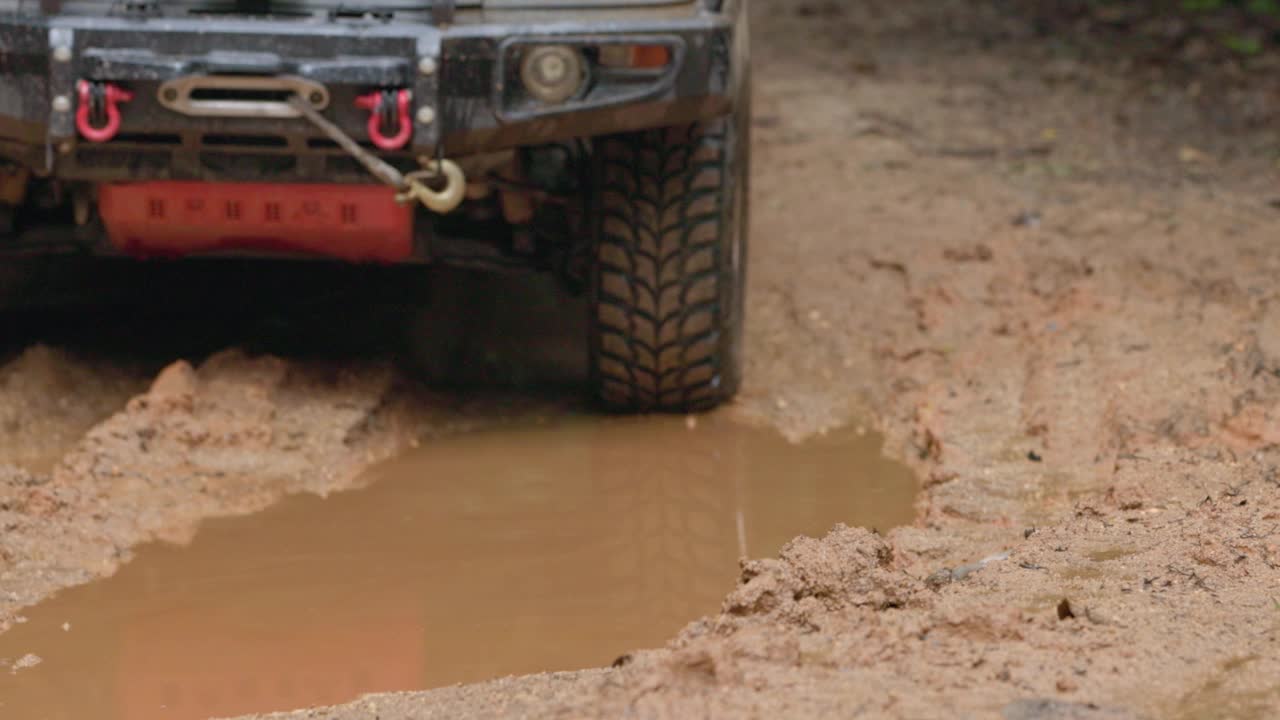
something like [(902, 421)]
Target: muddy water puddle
[(548, 547)]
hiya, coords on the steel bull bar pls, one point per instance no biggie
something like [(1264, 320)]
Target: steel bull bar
[(78, 91)]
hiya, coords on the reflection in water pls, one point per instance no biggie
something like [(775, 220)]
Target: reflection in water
[(551, 547)]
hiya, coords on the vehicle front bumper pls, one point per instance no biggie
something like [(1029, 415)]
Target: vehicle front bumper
[(465, 85)]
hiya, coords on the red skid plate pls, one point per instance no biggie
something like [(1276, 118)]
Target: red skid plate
[(168, 219)]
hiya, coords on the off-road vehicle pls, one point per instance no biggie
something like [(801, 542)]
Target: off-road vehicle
[(603, 140)]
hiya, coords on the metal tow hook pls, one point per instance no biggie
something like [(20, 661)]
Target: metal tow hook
[(412, 186), (443, 200)]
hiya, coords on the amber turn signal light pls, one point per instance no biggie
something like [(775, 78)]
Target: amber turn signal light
[(635, 56)]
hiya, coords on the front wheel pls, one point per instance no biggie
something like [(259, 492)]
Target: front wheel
[(669, 266)]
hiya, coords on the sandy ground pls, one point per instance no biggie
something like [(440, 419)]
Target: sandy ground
[(1043, 262)]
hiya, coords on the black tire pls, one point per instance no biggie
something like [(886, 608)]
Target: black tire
[(669, 265)]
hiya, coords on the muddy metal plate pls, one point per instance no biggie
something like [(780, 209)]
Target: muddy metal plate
[(168, 219), (182, 71)]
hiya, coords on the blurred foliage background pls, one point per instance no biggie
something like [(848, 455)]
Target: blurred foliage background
[(1190, 29)]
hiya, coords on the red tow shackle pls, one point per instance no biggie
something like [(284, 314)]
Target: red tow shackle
[(109, 96), (375, 102)]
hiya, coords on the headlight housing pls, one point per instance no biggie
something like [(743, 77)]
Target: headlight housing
[(553, 74)]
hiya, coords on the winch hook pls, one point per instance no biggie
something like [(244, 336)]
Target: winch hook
[(442, 201), (410, 187)]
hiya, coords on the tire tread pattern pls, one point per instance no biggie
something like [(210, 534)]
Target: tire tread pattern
[(660, 314)]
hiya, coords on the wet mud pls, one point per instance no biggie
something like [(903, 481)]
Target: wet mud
[(560, 545)]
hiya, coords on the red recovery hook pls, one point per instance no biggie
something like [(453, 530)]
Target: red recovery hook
[(106, 96), (376, 103)]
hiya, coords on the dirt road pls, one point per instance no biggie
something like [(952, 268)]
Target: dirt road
[(1042, 263)]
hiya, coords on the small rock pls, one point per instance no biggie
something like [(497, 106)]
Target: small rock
[(1064, 610), (1027, 218), (1096, 616), (1190, 155), (964, 571), (29, 660), (1048, 709), (939, 578)]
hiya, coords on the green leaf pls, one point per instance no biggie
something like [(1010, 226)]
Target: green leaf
[(1243, 45), (1264, 7)]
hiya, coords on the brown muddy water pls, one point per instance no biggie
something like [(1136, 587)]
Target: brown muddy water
[(552, 546)]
